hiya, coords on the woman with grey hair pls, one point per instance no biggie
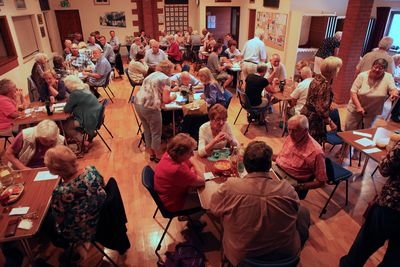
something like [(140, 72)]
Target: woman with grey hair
[(84, 107), (29, 146), (152, 94), (38, 69), (368, 95)]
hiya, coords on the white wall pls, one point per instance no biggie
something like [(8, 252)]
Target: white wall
[(394, 4), (20, 73), (319, 6)]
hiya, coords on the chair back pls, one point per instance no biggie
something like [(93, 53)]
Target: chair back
[(102, 115), (129, 78), (148, 182), (243, 99), (108, 78), (288, 262), (336, 172), (32, 90), (334, 116), (228, 98)]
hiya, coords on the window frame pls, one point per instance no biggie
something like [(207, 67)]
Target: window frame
[(10, 61), (389, 25)]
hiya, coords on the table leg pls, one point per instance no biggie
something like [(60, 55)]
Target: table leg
[(173, 122), (27, 249), (284, 116), (63, 132)]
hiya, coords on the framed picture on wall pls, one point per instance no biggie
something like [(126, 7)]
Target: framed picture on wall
[(101, 2), (20, 4)]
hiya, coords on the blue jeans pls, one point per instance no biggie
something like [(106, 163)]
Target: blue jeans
[(381, 224), (152, 126)]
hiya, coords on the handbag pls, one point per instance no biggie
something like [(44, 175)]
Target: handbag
[(198, 107)]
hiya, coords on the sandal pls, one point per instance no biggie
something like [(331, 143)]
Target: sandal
[(154, 158)]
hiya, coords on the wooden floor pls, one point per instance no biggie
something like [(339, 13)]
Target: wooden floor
[(330, 237)]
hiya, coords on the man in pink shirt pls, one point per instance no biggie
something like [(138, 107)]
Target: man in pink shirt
[(301, 160)]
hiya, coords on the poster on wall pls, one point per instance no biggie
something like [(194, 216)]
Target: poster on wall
[(113, 19), (274, 27)]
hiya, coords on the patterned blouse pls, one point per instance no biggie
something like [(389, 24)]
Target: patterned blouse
[(390, 166), (317, 107), (213, 94), (150, 93), (78, 203)]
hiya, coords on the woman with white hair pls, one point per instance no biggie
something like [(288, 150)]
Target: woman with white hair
[(38, 69), (84, 107), (29, 146)]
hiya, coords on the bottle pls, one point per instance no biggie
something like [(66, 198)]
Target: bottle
[(48, 109), (240, 164), (190, 94), (234, 159)]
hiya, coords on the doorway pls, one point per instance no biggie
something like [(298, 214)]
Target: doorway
[(223, 20), (68, 22)]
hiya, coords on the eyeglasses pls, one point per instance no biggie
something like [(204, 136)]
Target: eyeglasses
[(378, 67), (219, 119)]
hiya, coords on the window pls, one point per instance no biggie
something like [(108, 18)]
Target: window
[(392, 28), (8, 55), (26, 35)]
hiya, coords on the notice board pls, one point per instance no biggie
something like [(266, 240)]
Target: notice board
[(274, 27)]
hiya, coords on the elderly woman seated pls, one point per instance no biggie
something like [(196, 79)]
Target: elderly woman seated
[(216, 133), (9, 96), (78, 199), (30, 145), (85, 109), (176, 173), (53, 89)]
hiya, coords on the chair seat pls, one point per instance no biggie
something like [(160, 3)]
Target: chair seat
[(340, 173), (333, 139)]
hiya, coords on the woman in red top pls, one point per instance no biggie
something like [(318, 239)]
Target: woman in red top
[(176, 173), (173, 52)]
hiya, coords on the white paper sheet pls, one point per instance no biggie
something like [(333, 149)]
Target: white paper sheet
[(19, 211), (365, 142), (59, 105), (362, 134), (45, 175), (371, 150), (208, 176)]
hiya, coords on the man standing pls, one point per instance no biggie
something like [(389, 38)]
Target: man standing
[(108, 51), (301, 160), (116, 44), (254, 52), (99, 75), (382, 52), (329, 47), (261, 215)]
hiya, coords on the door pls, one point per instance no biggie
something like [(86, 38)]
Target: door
[(223, 20), (252, 24), (68, 22)]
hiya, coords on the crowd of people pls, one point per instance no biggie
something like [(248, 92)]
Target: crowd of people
[(261, 216)]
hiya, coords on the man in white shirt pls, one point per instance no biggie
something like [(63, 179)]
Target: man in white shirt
[(276, 71), (154, 56), (299, 95), (254, 52)]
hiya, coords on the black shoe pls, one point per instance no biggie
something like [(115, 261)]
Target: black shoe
[(69, 256), (196, 225), (395, 118), (154, 158)]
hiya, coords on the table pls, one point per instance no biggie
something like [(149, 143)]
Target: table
[(36, 196), (350, 138), (284, 97), (175, 105), (58, 117)]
